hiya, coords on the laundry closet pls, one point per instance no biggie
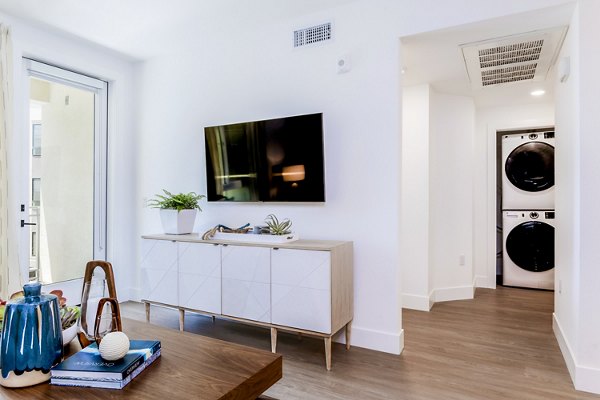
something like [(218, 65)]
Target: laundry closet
[(526, 207), (482, 92)]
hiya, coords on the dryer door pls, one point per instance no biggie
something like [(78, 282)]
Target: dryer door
[(530, 246), (530, 167)]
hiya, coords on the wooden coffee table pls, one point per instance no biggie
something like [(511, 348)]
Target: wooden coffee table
[(190, 367)]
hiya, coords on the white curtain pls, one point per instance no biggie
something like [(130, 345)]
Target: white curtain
[(10, 279)]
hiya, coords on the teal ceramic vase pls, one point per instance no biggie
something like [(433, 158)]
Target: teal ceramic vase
[(31, 338)]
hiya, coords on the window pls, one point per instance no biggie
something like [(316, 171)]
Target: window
[(36, 140), (36, 192)]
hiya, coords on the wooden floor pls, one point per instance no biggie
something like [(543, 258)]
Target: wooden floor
[(498, 346)]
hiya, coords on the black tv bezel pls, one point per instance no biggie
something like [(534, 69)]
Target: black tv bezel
[(322, 148)]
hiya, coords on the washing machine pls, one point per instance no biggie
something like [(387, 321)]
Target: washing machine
[(528, 256), (528, 176)]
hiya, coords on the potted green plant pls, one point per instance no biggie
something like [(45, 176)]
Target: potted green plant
[(177, 211)]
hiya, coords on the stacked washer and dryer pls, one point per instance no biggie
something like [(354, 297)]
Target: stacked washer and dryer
[(528, 210)]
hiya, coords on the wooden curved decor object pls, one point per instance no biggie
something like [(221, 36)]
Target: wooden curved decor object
[(87, 279), (115, 322)]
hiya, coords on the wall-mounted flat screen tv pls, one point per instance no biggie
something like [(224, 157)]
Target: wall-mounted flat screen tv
[(272, 160)]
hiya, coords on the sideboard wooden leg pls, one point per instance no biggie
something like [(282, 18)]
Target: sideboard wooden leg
[(147, 306), (181, 319), (348, 334), (274, 340), (328, 353)]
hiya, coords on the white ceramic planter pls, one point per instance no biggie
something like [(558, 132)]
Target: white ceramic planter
[(178, 222)]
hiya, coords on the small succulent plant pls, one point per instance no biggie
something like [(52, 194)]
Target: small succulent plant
[(278, 227), (69, 316)]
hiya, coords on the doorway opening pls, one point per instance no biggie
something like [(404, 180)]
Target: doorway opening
[(63, 219), (451, 117)]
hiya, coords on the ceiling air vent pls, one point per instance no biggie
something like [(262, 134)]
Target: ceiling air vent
[(508, 74), (314, 34), (525, 57)]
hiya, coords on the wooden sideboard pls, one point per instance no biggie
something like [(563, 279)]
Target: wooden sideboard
[(305, 286)]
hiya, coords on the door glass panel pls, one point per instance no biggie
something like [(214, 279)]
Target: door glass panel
[(530, 167), (61, 172), (530, 245)]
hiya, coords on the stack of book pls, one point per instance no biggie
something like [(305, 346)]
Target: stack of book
[(87, 368)]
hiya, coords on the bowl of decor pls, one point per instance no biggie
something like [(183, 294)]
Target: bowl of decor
[(69, 316)]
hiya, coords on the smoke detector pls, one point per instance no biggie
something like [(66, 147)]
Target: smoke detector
[(515, 58)]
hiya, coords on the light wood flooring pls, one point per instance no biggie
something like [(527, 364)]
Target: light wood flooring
[(498, 346)]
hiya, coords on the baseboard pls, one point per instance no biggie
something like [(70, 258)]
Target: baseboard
[(588, 379), (135, 294), (376, 340), (482, 281), (584, 378), (415, 302), (564, 346), (453, 293)]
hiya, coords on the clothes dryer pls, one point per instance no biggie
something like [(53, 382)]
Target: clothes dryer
[(528, 171), (528, 256)]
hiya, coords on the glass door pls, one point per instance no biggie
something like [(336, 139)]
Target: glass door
[(63, 221)]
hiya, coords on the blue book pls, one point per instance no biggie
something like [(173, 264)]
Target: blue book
[(88, 365), (67, 381)]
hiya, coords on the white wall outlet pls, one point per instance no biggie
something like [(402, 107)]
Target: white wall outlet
[(461, 260), (343, 64)]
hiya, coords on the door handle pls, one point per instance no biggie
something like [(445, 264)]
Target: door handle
[(23, 223)]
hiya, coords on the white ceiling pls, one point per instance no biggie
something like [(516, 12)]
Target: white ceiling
[(139, 28), (436, 57)]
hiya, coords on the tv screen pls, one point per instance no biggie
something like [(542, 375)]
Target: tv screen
[(272, 160)]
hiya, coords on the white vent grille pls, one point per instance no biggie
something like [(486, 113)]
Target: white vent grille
[(314, 34), (512, 59), (508, 74), (511, 54)]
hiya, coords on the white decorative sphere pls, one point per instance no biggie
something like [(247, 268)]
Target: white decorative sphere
[(114, 346)]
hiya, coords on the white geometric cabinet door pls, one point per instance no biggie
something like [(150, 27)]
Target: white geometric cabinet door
[(159, 271), (301, 289), (246, 289), (200, 276)]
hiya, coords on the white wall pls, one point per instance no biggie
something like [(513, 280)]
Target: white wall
[(589, 213), (576, 318), (81, 56), (248, 72), (451, 196), (489, 120), (437, 171), (416, 280), (258, 75), (566, 298)]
